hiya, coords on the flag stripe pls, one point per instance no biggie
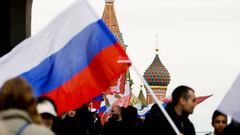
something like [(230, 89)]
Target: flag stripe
[(71, 60), (102, 109), (74, 57), (98, 98), (91, 79), (32, 51)]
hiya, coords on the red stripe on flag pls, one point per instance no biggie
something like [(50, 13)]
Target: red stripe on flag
[(91, 81)]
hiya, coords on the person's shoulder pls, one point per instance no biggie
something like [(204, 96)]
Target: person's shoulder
[(37, 130), (3, 129), (190, 128)]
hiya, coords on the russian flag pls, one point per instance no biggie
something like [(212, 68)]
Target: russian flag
[(122, 102), (102, 109), (95, 103), (71, 60)]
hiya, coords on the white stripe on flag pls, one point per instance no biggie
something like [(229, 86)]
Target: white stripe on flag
[(49, 40)]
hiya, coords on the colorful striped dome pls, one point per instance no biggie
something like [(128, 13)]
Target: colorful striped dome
[(157, 74)]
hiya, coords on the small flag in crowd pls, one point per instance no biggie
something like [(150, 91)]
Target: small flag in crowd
[(95, 103), (122, 102)]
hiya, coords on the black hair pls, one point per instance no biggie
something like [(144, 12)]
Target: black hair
[(132, 113), (180, 91), (216, 114)]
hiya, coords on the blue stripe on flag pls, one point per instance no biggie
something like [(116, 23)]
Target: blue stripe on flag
[(102, 109), (71, 59), (98, 98)]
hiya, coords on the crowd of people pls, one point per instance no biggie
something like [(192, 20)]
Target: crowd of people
[(23, 114)]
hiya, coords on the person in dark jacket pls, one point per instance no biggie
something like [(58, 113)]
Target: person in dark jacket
[(232, 129), (135, 124), (115, 125), (96, 126), (183, 103), (77, 122)]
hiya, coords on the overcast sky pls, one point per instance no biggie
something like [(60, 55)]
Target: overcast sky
[(199, 42)]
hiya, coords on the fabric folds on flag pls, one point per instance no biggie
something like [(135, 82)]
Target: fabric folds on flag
[(72, 60), (229, 104)]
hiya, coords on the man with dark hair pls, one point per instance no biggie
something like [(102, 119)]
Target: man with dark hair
[(116, 124), (219, 123), (183, 103)]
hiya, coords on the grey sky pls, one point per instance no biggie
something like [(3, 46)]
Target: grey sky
[(199, 42)]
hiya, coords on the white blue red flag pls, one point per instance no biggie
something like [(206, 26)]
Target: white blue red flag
[(71, 60)]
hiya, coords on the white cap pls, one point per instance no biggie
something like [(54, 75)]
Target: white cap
[(46, 107)]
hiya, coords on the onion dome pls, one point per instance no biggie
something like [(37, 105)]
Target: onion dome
[(156, 74)]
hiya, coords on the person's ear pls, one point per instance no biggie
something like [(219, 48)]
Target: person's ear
[(182, 101)]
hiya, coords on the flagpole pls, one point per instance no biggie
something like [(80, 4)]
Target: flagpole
[(157, 101)]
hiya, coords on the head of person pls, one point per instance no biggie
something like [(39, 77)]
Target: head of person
[(132, 113), (71, 113), (94, 117), (47, 109), (16, 93), (184, 98), (116, 113), (219, 122)]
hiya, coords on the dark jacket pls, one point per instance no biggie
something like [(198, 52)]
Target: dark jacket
[(156, 123), (112, 127), (78, 125), (232, 129)]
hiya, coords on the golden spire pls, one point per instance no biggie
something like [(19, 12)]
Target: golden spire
[(157, 48)]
